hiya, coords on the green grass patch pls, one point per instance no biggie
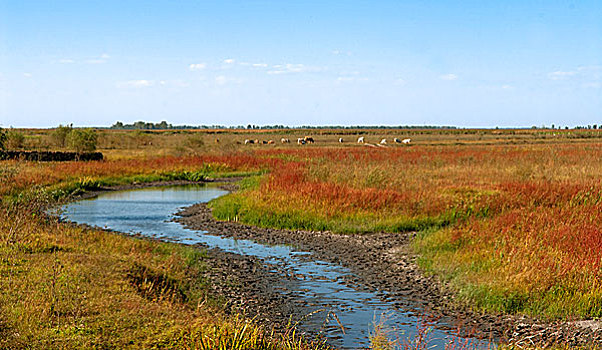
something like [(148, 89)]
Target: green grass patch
[(244, 207)]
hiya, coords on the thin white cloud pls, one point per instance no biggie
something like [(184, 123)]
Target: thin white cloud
[(197, 66), (352, 79), (341, 53), (27, 75), (99, 60), (140, 83), (593, 68), (586, 76), (296, 68), (507, 87), (292, 68), (66, 61), (225, 80), (346, 79), (449, 77), (249, 64), (229, 61), (560, 75)]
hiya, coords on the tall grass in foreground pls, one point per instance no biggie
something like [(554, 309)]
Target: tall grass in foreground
[(234, 334)]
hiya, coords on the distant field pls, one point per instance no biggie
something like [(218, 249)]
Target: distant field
[(511, 218), (134, 143)]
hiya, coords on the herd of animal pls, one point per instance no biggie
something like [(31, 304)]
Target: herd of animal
[(309, 139)]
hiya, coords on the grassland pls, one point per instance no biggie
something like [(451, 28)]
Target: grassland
[(511, 218), (66, 286)]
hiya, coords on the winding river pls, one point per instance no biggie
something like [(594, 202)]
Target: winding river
[(321, 285)]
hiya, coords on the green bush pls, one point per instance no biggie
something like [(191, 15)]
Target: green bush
[(60, 135), (82, 140)]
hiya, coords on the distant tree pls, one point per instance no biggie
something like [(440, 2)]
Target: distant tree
[(2, 138), (60, 134), (139, 125), (117, 125), (83, 140)]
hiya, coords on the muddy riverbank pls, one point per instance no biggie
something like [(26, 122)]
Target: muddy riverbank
[(383, 263)]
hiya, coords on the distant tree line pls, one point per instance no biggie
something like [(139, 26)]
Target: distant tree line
[(141, 125)]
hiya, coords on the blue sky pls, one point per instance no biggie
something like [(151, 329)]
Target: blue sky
[(463, 63)]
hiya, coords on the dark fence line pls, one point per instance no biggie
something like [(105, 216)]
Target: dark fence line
[(46, 156)]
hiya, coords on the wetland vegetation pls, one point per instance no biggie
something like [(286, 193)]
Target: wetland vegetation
[(508, 219)]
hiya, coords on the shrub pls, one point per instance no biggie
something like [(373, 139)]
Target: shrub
[(60, 134), (14, 139), (82, 140)]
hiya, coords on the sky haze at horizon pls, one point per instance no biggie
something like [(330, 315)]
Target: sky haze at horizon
[(467, 64)]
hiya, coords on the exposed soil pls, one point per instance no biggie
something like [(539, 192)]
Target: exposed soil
[(244, 285)]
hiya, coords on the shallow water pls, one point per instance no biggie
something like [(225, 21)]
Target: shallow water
[(320, 284)]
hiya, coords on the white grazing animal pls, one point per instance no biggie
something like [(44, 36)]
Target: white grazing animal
[(406, 141), (360, 140), (340, 140), (283, 140), (383, 141)]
